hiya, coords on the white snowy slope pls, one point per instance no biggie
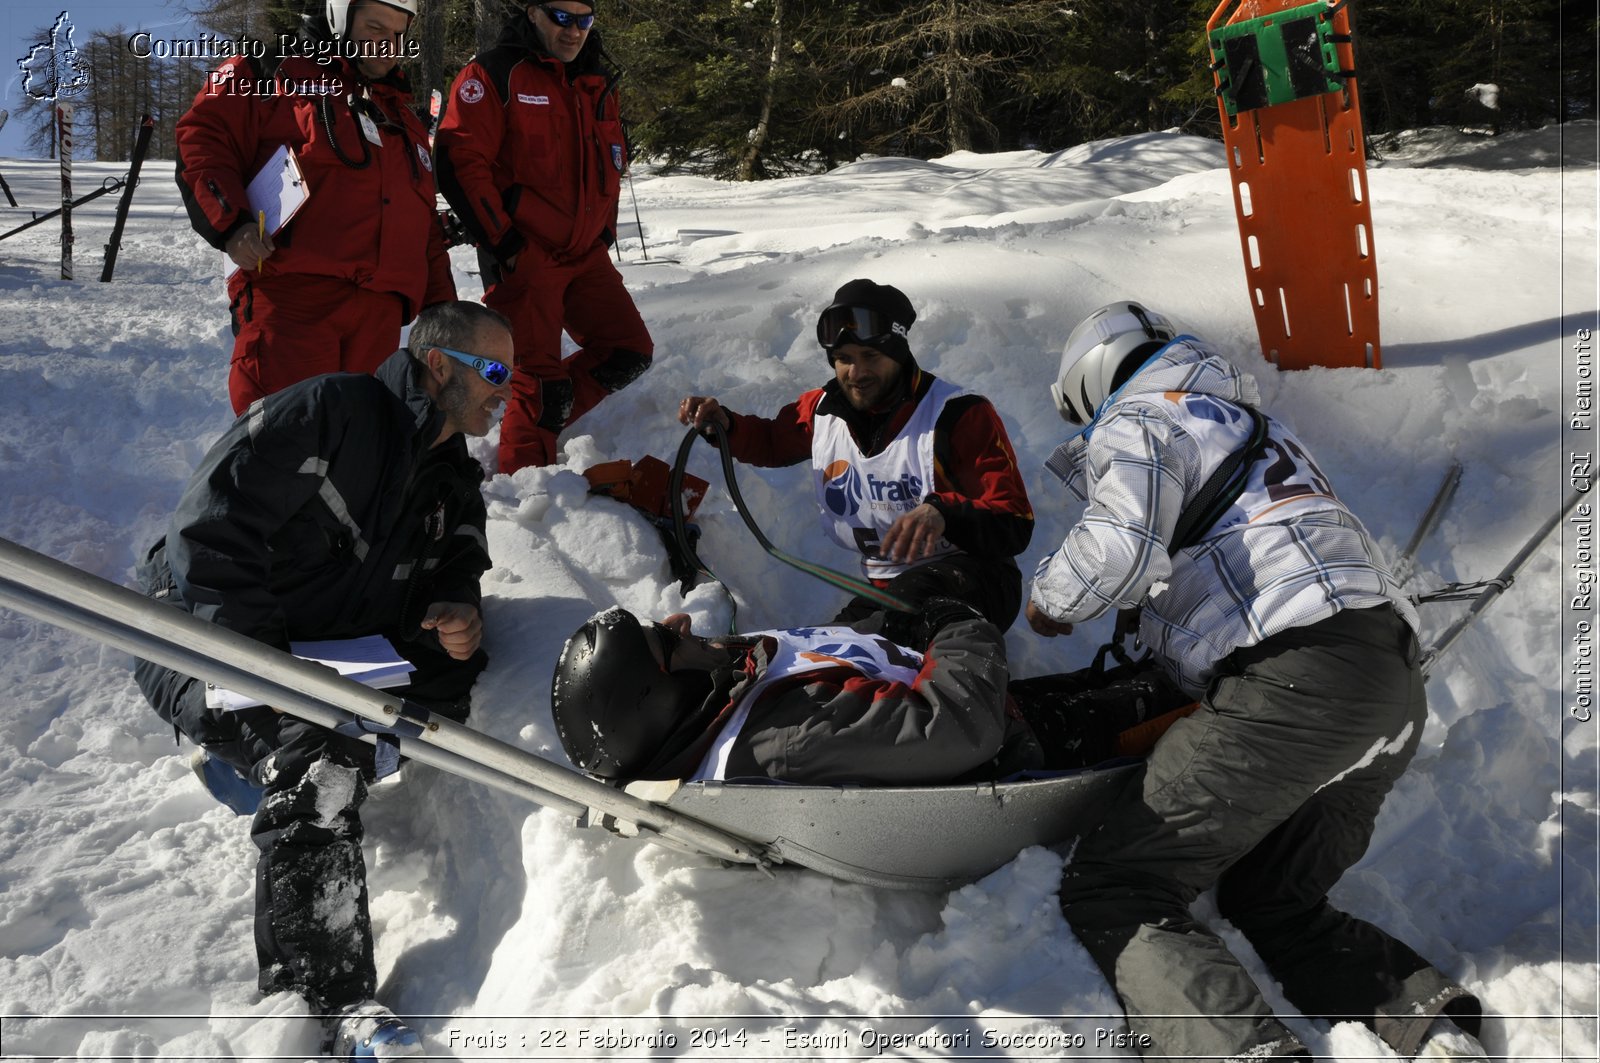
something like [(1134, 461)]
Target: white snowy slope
[(125, 891)]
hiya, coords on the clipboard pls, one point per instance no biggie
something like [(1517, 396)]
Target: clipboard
[(278, 191)]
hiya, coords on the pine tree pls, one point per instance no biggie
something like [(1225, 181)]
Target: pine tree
[(925, 78)]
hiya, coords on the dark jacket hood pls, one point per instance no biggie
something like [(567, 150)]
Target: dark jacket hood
[(518, 33)]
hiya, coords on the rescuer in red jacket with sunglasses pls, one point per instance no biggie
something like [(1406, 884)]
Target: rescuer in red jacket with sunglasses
[(531, 156)]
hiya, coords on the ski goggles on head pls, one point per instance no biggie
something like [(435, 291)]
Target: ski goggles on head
[(496, 373), (566, 19), (855, 324)]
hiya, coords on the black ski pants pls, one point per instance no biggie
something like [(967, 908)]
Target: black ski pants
[(313, 930), (1267, 793)]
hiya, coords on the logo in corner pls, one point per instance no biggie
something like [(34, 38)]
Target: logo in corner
[(471, 91), (54, 68), (842, 488)]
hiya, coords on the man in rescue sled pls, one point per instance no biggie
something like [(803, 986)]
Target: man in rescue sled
[(811, 705), (913, 474), (1280, 617)]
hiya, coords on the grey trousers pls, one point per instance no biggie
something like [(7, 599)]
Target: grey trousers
[(1267, 794)]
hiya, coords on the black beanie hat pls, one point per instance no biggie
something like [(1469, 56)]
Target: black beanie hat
[(887, 300)]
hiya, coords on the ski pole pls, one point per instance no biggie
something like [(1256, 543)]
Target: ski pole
[(111, 184), (52, 590), (1406, 565), (1497, 586), (5, 114), (638, 222), (141, 145)]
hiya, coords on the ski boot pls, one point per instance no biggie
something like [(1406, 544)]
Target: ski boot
[(226, 783), (368, 1030)]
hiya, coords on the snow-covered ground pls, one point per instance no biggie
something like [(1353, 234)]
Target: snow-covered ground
[(125, 892)]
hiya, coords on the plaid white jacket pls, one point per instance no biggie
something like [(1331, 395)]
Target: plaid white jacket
[(1286, 555)]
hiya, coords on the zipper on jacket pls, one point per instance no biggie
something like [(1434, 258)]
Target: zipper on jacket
[(221, 199)]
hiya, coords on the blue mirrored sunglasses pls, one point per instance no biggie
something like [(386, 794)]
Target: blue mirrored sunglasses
[(496, 373), (566, 19)]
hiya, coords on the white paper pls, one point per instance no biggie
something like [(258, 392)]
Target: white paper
[(371, 660)]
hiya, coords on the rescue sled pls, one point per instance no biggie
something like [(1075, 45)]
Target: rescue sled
[(903, 837), (931, 838)]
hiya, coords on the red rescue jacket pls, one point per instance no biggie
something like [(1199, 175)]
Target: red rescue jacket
[(531, 150), (370, 217)]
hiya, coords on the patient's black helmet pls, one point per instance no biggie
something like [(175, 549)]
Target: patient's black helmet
[(613, 703)]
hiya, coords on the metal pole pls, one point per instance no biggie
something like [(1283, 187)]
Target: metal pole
[(1404, 567), (111, 184), (29, 581), (141, 643), (5, 114), (1499, 585)]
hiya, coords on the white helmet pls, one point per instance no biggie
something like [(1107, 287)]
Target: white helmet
[(1097, 348), (339, 13)]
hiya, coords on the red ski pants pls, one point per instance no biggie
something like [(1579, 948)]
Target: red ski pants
[(292, 327), (541, 297)]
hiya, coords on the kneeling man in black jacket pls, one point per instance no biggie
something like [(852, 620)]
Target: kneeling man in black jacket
[(343, 506)]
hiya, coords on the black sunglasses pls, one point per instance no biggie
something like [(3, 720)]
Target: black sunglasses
[(566, 19), (855, 324), (494, 372)]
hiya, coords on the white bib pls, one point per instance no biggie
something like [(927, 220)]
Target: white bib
[(810, 649), (859, 498)]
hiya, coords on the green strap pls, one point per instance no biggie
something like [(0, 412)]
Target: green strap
[(1278, 58)]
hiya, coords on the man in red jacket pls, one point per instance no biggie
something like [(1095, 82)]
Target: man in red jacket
[(531, 154), (914, 475), (331, 290)]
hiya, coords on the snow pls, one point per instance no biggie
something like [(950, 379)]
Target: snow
[(510, 933)]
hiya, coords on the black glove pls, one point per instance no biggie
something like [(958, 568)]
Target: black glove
[(915, 630), (556, 398)]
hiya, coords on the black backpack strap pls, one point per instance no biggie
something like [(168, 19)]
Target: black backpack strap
[(1222, 489)]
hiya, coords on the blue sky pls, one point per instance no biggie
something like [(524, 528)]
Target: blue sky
[(21, 21)]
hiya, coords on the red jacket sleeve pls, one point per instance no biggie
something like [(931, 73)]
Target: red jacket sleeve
[(467, 145), (216, 139), (977, 486), (775, 441)]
